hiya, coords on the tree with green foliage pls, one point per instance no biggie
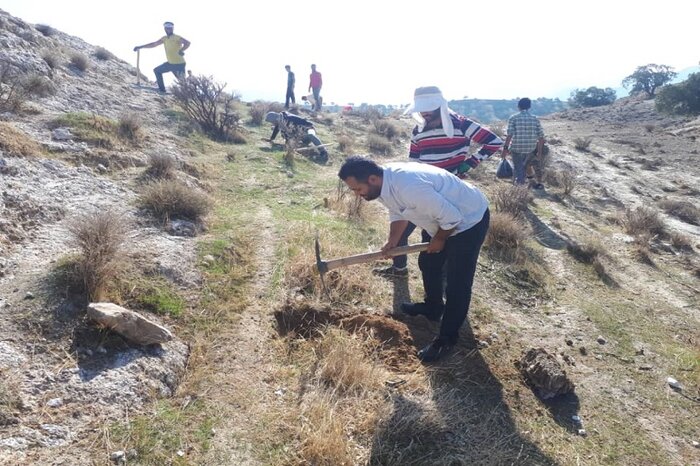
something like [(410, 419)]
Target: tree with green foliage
[(649, 78), (682, 98), (592, 97)]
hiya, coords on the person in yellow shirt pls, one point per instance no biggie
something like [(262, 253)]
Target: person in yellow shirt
[(175, 47)]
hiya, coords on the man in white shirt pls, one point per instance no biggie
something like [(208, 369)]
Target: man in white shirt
[(454, 216)]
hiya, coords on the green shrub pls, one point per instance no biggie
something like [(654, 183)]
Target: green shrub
[(592, 97), (680, 99)]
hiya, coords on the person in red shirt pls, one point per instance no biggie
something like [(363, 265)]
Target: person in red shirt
[(315, 83)]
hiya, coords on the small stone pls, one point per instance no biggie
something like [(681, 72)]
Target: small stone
[(54, 402), (208, 259), (673, 383), (101, 350), (576, 419), (696, 444), (483, 344), (101, 168), (645, 367), (583, 350), (61, 134), (132, 454), (29, 295), (180, 453), (582, 432), (569, 360), (118, 457), (569, 342), (601, 340)]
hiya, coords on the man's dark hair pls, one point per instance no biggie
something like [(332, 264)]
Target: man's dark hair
[(360, 168), (524, 103), (287, 66)]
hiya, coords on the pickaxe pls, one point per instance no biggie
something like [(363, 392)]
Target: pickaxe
[(326, 266)]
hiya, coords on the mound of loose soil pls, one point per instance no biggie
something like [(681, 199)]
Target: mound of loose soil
[(396, 347), (544, 374)]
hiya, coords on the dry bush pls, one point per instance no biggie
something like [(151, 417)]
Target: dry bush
[(258, 110), (103, 54), (386, 128), (346, 201), (129, 127), (206, 103), (12, 92), (45, 29), (79, 61), (643, 221), (583, 144), (168, 199), (554, 141), (38, 85), (378, 144), (683, 210), (681, 242), (99, 236), (511, 199), (10, 400), (16, 143), (345, 144), (343, 364), (505, 236), (51, 58), (587, 252), (565, 179), (161, 166), (642, 251)]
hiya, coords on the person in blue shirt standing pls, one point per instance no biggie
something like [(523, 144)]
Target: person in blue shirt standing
[(454, 217)]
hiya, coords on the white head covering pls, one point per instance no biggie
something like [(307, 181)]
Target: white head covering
[(427, 99)]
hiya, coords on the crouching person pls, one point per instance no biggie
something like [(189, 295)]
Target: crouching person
[(298, 131)]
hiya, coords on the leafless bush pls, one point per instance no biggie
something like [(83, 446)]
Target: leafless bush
[(505, 236), (129, 127), (161, 166), (583, 144), (12, 92), (681, 242), (205, 102), (587, 252), (45, 29), (168, 199), (511, 199), (554, 141), (103, 54), (258, 110), (567, 180), (378, 144), (79, 61), (38, 85), (643, 221), (683, 210), (99, 236), (345, 144)]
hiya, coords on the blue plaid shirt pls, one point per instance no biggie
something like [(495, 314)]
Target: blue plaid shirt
[(525, 130)]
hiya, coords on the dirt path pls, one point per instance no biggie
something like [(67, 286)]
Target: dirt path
[(243, 360)]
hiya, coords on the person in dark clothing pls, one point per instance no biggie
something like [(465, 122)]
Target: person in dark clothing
[(290, 87), (298, 130)]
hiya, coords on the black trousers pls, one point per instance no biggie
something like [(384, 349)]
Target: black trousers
[(178, 70), (460, 256), (288, 97)]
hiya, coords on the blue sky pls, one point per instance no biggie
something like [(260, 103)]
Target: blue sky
[(379, 51)]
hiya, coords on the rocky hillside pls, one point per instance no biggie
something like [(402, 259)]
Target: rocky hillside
[(594, 279)]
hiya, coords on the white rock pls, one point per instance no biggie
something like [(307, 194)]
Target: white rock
[(54, 402), (61, 134), (129, 324)]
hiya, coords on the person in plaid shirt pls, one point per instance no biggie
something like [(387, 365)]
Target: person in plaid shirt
[(442, 138), (527, 137)]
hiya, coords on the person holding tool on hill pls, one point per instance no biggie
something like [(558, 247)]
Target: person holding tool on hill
[(454, 216), (527, 137), (296, 129), (442, 138), (175, 47)]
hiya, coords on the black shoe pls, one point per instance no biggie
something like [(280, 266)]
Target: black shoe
[(437, 349), (391, 271), (432, 313), (538, 186)]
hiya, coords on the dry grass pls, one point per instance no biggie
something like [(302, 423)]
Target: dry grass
[(511, 199), (161, 166), (99, 236), (79, 61), (505, 236), (169, 199), (343, 365), (16, 143), (565, 179), (682, 210), (345, 144), (378, 144), (38, 85), (386, 128), (258, 110), (321, 433), (681, 242), (346, 202), (643, 221), (587, 252), (103, 54), (129, 127), (51, 58), (583, 144)]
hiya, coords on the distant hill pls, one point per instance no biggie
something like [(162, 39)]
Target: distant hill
[(488, 110)]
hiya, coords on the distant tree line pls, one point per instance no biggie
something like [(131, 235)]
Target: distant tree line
[(489, 110)]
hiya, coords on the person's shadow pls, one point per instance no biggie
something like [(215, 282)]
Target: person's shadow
[(462, 420)]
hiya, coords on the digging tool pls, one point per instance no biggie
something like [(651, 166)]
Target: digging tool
[(326, 266), (138, 68)]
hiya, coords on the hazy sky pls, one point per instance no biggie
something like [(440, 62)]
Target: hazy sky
[(379, 51)]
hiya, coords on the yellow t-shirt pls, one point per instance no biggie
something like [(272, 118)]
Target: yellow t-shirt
[(172, 45)]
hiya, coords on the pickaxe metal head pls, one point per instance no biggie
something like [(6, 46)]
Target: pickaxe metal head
[(322, 267)]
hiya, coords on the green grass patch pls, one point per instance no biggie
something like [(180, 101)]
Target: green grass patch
[(159, 436), (93, 129)]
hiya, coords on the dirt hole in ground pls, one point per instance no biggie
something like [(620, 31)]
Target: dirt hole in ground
[(394, 343)]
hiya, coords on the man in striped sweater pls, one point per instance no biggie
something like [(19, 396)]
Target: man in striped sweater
[(442, 138)]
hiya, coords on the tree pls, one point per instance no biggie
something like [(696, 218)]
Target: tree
[(682, 98), (592, 97), (649, 78)]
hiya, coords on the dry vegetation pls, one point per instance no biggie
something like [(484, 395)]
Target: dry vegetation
[(16, 143), (172, 199)]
